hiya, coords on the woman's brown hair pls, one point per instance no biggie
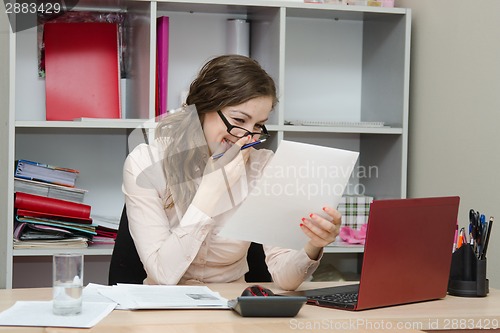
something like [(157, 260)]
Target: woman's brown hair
[(223, 81), (229, 80)]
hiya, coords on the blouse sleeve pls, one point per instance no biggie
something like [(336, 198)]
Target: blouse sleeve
[(166, 251), (289, 268)]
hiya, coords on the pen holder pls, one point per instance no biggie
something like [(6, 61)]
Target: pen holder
[(467, 274)]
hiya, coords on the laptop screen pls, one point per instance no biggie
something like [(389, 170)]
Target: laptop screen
[(408, 250)]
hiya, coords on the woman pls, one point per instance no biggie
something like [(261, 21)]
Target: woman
[(178, 197)]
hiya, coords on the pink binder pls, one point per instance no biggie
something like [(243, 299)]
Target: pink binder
[(82, 70), (162, 63)]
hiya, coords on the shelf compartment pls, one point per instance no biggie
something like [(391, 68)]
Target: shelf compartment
[(363, 80), (381, 168), (97, 153), (204, 25)]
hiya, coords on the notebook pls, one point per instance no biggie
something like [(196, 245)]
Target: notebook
[(407, 256)]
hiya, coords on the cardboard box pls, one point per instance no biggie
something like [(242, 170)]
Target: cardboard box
[(354, 210)]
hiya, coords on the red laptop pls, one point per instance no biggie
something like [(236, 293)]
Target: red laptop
[(407, 256)]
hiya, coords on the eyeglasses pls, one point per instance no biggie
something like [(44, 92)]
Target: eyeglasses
[(241, 132)]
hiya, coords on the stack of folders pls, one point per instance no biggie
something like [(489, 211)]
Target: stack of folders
[(49, 209), (47, 222), (107, 229)]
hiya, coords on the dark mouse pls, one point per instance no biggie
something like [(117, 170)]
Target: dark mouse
[(257, 290)]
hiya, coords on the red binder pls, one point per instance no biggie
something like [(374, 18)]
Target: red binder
[(50, 216), (37, 203), (82, 70)]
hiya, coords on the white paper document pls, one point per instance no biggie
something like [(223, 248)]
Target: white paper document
[(39, 313), (299, 180), (138, 296)]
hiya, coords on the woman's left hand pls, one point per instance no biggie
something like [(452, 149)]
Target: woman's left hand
[(321, 231)]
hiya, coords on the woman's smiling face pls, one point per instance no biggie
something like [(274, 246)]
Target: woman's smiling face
[(250, 115)]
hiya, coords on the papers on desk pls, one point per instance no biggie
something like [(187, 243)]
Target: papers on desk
[(138, 296), (39, 313), (299, 180), (99, 301)]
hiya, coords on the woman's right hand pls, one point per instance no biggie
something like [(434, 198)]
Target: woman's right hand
[(229, 155), (217, 191)]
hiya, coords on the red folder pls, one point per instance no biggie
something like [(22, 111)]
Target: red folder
[(49, 216), (37, 203), (82, 70)]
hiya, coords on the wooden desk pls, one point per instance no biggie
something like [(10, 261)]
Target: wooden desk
[(448, 313)]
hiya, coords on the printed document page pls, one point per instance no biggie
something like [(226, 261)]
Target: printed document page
[(39, 313), (299, 180), (138, 296)]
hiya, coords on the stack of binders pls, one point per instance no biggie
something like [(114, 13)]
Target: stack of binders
[(47, 222)]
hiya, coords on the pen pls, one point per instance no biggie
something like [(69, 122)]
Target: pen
[(480, 235), (248, 145), (486, 239), (460, 238), (455, 239)]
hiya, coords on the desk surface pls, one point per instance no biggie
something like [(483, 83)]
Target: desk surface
[(448, 313)]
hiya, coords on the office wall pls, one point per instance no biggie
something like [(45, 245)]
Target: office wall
[(454, 147)]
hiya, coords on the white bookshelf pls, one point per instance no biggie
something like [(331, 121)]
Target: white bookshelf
[(330, 62)]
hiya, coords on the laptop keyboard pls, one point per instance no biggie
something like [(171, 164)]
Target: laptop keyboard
[(343, 298)]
